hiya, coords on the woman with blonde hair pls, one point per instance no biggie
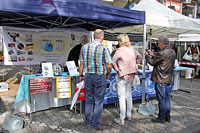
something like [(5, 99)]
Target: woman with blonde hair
[(125, 60)]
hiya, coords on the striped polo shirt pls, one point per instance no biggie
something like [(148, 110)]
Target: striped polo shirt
[(95, 57)]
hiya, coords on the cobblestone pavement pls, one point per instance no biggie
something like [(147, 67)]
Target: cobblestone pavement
[(185, 116)]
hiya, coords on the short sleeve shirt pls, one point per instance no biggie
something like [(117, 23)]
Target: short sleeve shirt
[(95, 57)]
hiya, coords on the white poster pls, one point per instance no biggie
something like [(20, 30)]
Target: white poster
[(47, 70), (63, 87), (71, 68), (31, 46)]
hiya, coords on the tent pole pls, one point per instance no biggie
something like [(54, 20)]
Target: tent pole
[(145, 108), (143, 63), (150, 46)]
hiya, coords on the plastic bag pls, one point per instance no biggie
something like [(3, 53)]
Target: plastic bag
[(195, 56), (80, 85), (188, 56), (13, 123), (136, 80), (3, 86)]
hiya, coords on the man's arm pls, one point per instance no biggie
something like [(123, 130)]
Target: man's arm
[(81, 67), (109, 68), (155, 59)]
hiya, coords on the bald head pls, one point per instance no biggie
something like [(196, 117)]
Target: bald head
[(98, 34)]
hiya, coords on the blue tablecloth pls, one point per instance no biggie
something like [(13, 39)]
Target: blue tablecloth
[(111, 91)]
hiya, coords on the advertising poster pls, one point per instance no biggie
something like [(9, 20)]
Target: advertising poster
[(40, 85), (63, 87), (24, 46)]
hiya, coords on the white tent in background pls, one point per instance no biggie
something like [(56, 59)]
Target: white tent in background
[(162, 21), (189, 38)]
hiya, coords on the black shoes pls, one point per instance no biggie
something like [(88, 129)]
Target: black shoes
[(167, 119), (157, 120)]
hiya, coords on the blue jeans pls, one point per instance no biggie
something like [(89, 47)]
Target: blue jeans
[(95, 88), (163, 97)]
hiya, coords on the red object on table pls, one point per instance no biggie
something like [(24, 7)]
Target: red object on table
[(81, 94)]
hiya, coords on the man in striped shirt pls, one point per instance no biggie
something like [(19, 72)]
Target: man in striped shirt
[(96, 62)]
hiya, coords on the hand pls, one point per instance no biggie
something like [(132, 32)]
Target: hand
[(149, 52), (81, 79), (146, 53)]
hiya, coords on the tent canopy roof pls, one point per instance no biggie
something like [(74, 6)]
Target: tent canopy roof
[(87, 14), (163, 21)]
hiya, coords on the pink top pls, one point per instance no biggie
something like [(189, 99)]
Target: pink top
[(125, 60)]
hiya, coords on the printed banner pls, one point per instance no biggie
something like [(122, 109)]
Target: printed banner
[(31, 46), (63, 87), (40, 85)]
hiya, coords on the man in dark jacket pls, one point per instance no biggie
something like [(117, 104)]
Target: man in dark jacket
[(162, 75)]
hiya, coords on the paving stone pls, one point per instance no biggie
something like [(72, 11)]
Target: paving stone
[(66, 130), (53, 127)]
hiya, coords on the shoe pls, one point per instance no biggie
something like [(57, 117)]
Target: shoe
[(99, 129), (129, 118), (87, 124), (157, 120), (167, 119), (119, 121)]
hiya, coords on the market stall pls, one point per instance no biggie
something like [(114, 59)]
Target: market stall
[(187, 49)]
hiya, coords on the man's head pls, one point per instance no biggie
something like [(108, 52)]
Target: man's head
[(83, 40), (99, 35), (163, 41)]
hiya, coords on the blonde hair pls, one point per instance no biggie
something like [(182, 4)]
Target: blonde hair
[(124, 39)]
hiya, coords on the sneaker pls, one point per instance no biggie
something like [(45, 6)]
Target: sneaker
[(119, 121), (157, 120)]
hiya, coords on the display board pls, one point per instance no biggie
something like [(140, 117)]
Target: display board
[(40, 85), (31, 46), (63, 87)]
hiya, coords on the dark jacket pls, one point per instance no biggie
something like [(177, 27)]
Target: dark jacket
[(74, 54), (163, 63)]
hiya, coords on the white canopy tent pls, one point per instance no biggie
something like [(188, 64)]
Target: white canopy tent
[(162, 21), (189, 38)]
